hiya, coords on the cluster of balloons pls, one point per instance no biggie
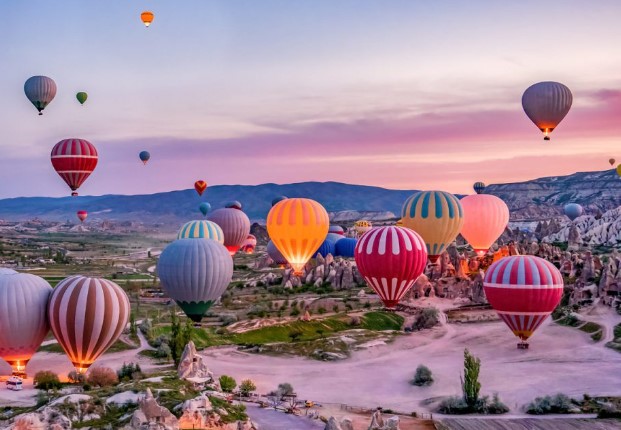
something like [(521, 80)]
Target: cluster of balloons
[(86, 315)]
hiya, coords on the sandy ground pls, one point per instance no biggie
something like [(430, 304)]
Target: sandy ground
[(273, 420), (560, 359)]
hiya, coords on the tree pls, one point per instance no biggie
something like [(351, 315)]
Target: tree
[(285, 389), (175, 335), (133, 329), (47, 380), (423, 376), (247, 387), (102, 377), (470, 382), (320, 332), (227, 383)]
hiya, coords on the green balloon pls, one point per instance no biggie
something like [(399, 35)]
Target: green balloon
[(81, 96)]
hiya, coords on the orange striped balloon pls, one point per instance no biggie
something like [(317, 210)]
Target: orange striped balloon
[(297, 227), (87, 315)]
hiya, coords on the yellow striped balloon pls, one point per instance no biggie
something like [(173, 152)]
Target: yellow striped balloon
[(201, 229), (297, 227), (437, 216)]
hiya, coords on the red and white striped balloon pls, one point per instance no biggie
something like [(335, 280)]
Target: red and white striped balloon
[(524, 290), (74, 160), (391, 259)]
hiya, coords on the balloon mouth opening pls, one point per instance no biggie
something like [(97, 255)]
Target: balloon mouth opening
[(232, 250), (18, 367), (389, 305), (480, 252), (433, 259), (81, 368)]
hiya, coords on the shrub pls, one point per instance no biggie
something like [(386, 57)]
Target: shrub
[(453, 406), (229, 319), (102, 377), (423, 376), (354, 321), (285, 389), (294, 312), (295, 335), (163, 352), (321, 310), (130, 371), (557, 404), (227, 383), (75, 377), (428, 318), (47, 380), (246, 387)]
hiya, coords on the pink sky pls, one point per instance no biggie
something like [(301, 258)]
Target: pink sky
[(406, 95)]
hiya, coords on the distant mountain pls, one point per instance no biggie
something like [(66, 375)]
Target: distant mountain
[(176, 206), (544, 198), (533, 200)]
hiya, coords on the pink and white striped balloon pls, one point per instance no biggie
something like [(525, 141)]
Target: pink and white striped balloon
[(391, 259)]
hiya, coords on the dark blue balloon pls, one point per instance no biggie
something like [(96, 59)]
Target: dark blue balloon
[(144, 156), (479, 187), (345, 247), (327, 247)]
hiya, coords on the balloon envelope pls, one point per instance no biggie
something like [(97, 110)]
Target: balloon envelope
[(523, 290), (40, 90), (485, 219), (546, 104), (23, 317), (234, 205), (87, 316), (573, 210), (612, 161), (275, 254), (201, 229), (437, 216), (346, 247), (334, 237), (479, 187), (81, 96), (200, 187), (147, 17), (82, 215), (74, 160), (144, 156), (362, 226), (249, 244), (336, 229), (391, 259), (326, 247), (235, 225), (195, 273), (204, 208), (297, 227), (619, 170)]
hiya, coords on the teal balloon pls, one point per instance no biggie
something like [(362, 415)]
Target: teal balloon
[(195, 273), (204, 208), (201, 229)]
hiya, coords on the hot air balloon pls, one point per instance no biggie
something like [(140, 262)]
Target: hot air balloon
[(275, 254), (391, 259), (612, 161), (195, 273), (23, 317), (144, 157), (362, 226), (278, 199), (345, 247), (147, 18), (7, 271), (81, 96), (201, 230), (546, 104), (485, 219), (573, 210), (235, 225), (249, 244), (523, 290), (479, 187), (334, 237), (437, 216), (326, 247), (234, 205), (74, 160), (82, 215), (87, 316), (399, 223), (204, 208), (336, 229), (200, 187), (40, 90), (297, 227)]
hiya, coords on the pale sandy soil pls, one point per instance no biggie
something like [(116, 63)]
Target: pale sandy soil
[(560, 359)]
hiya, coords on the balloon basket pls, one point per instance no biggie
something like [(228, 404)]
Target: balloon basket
[(522, 345)]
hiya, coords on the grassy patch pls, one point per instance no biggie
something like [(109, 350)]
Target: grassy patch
[(590, 327), (55, 348)]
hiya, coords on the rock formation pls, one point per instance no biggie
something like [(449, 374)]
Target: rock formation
[(192, 364), (151, 416)]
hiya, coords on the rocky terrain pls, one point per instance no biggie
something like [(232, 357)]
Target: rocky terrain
[(589, 230)]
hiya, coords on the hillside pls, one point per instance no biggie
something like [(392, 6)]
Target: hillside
[(534, 200)]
